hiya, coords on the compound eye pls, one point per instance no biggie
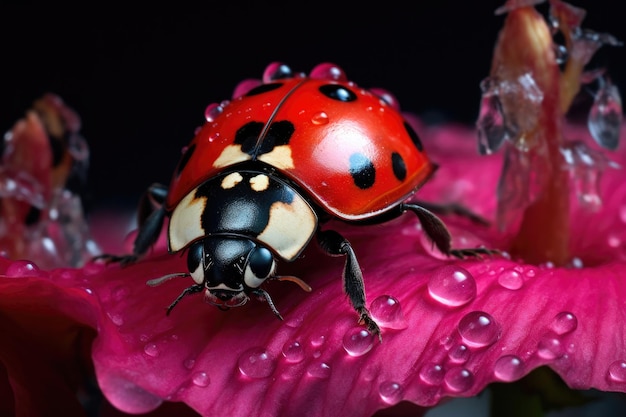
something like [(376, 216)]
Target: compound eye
[(260, 266), (195, 262)]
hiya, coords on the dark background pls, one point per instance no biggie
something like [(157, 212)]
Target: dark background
[(140, 79)]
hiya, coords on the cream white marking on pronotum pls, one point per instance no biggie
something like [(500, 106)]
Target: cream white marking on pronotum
[(231, 180), (185, 223), (260, 182)]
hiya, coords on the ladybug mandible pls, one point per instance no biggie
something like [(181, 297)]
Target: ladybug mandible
[(270, 167)]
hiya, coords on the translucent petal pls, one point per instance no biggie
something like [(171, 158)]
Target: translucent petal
[(606, 116)]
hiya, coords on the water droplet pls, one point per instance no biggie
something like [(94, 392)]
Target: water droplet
[(244, 87), (276, 71), (390, 392), (432, 373), (479, 329), (387, 312), (459, 379), (605, 117), (189, 363), (328, 71), (492, 131), (319, 370), (387, 97), (22, 269), (319, 118), (127, 396), (120, 292), (613, 240), (318, 341), (358, 341), (256, 363), (510, 279), (213, 137), (293, 352), (452, 285), (564, 322), (201, 379), (550, 347), (212, 111), (459, 354), (151, 349), (508, 368), (617, 371)]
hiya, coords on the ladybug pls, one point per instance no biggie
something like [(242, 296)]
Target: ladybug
[(270, 167)]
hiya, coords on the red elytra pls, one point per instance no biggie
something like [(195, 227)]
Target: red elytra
[(347, 148)]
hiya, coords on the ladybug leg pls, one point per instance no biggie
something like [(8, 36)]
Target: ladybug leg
[(336, 245), (439, 234), (187, 291), (151, 215), (456, 209)]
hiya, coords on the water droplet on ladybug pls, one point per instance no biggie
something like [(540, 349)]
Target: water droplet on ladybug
[(452, 286), (390, 392), (319, 118), (479, 329), (276, 71), (508, 368), (212, 111), (358, 341), (459, 379), (328, 71), (293, 352), (256, 363)]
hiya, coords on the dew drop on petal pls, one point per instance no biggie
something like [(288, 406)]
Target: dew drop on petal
[(390, 392), (256, 363), (617, 371), (127, 396), (201, 379), (189, 363), (318, 341), (151, 349), (452, 286), (510, 279), (459, 354), (458, 379), (319, 370), (320, 118), (550, 347), (432, 374), (387, 312), (564, 322), (116, 318), (479, 329), (293, 352), (22, 269), (508, 368), (358, 341)]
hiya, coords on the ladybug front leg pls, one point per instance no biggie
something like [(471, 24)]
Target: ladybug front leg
[(150, 217), (336, 245)]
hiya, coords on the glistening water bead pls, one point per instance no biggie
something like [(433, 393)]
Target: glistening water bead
[(358, 341), (452, 286), (387, 312), (479, 329), (256, 363)]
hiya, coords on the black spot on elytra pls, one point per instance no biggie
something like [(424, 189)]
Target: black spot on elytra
[(263, 88), (278, 134), (185, 159), (248, 135), (362, 171), (398, 165), (413, 134), (337, 92)]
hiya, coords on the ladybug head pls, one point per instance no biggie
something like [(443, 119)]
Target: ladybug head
[(230, 268)]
